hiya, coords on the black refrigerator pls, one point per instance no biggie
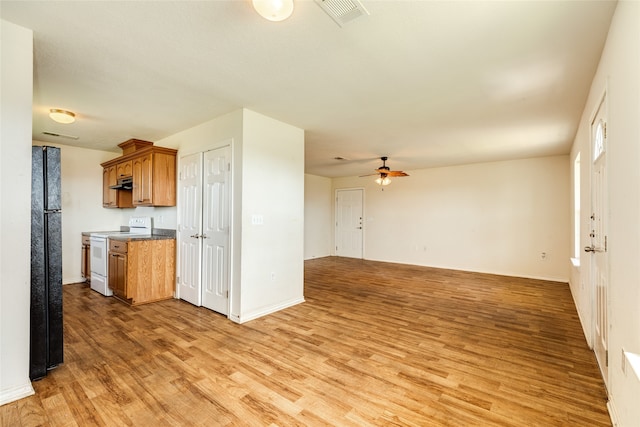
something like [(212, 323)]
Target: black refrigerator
[(46, 350)]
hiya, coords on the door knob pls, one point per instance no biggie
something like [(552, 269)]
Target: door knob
[(195, 236), (589, 249)]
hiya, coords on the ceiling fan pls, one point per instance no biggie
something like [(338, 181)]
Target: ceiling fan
[(385, 173)]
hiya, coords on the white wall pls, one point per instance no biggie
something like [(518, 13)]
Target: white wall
[(273, 188), (16, 90), (618, 74), (318, 215), (82, 203), (489, 217)]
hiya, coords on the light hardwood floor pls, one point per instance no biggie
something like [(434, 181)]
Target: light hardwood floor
[(374, 344)]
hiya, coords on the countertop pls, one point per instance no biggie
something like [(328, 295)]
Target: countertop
[(131, 237), (156, 234)]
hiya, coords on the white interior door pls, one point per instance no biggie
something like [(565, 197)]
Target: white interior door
[(215, 230), (598, 236), (190, 217), (349, 223)]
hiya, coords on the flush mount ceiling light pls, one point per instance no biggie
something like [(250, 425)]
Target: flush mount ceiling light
[(274, 10), (62, 116)]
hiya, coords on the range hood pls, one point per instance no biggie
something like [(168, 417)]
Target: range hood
[(125, 183)]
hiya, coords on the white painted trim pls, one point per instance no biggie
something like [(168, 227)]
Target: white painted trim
[(265, 311), (74, 280), (613, 415), (497, 273), (16, 393), (583, 324)]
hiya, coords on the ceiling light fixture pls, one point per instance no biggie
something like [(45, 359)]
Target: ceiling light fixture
[(383, 179), (62, 116), (274, 10)]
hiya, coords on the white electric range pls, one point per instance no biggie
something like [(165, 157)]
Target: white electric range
[(138, 226)]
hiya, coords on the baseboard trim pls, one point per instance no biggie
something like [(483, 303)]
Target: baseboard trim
[(494, 273), (612, 413), (265, 311), (16, 393)]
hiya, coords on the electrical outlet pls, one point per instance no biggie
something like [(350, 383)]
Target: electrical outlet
[(273, 276), (543, 255)]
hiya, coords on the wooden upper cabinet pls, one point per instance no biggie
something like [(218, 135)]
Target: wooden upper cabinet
[(154, 179), (153, 172)]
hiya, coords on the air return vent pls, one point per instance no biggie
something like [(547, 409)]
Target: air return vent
[(60, 135), (342, 11)]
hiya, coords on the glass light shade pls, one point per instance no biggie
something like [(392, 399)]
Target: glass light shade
[(62, 116), (383, 181), (274, 10)]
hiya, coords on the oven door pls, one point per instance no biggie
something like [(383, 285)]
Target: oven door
[(99, 256)]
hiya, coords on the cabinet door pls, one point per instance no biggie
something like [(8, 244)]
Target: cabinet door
[(85, 269), (142, 181), (109, 196), (87, 266), (83, 262), (118, 274), (113, 271), (124, 169), (122, 275)]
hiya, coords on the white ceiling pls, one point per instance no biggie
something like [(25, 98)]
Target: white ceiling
[(427, 83)]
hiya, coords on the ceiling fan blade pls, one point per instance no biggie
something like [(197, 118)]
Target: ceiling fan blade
[(397, 173)]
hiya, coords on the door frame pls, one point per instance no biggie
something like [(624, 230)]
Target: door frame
[(335, 218), (202, 148)]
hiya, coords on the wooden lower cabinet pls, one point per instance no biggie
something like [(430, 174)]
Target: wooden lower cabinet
[(142, 270)]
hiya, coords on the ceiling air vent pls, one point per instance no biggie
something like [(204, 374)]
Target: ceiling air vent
[(342, 11), (60, 135)]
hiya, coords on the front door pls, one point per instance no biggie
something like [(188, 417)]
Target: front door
[(215, 230), (598, 236), (349, 222)]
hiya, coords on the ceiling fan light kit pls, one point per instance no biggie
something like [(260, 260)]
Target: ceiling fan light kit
[(62, 116), (383, 180), (274, 10)]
